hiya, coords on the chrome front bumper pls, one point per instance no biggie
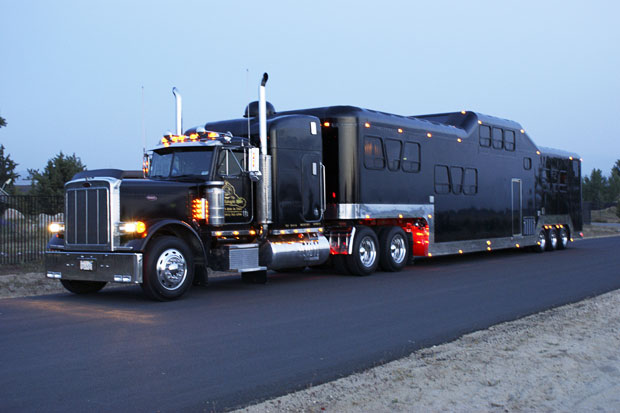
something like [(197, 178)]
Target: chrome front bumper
[(94, 266)]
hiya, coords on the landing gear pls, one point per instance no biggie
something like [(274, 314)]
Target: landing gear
[(168, 269)]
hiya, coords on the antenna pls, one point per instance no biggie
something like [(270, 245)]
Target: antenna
[(143, 125), (247, 90)]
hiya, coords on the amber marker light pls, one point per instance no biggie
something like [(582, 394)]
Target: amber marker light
[(429, 216), (460, 251), (400, 216), (537, 152), (140, 227), (429, 135), (479, 122), (218, 234), (463, 112), (488, 242), (400, 130), (459, 140), (517, 245), (522, 130), (326, 124), (367, 125), (235, 232), (252, 232), (488, 248), (429, 254), (213, 135), (570, 157)]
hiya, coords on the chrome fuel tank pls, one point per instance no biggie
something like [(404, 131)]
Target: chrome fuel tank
[(294, 250)]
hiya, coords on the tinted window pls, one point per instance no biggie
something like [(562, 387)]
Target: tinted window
[(411, 157), (485, 136), (456, 177), (509, 140), (180, 163), (442, 179), (470, 181), (373, 153), (527, 163), (229, 163), (393, 149), (498, 139)]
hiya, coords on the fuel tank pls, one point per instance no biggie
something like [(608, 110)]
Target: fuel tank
[(294, 250)]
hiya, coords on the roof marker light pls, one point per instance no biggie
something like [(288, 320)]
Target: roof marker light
[(463, 112), (459, 140), (537, 152), (367, 125), (460, 251), (479, 122), (522, 130), (400, 130), (429, 135)]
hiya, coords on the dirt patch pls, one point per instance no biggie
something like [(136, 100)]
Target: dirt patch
[(565, 359), (605, 215)]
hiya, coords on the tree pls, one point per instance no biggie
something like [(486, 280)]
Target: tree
[(58, 171), (2, 122), (613, 193), (7, 170), (594, 188)]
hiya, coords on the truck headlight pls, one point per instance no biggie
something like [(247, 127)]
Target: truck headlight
[(56, 227), (137, 227)]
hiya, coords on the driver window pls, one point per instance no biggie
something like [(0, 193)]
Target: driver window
[(230, 163)]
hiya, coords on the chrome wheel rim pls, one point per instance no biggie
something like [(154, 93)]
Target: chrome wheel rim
[(553, 239), (398, 249), (542, 240), (171, 269), (564, 237), (367, 252)]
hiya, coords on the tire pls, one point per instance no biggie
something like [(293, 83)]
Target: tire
[(83, 287), (563, 238), (168, 269), (552, 239), (394, 249), (365, 257), (541, 244)]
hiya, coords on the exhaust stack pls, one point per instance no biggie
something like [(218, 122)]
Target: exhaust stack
[(264, 213), (177, 96)]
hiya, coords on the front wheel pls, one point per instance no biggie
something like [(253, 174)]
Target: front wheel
[(83, 287), (364, 258), (168, 269)]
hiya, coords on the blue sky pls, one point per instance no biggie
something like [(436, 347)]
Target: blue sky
[(72, 72)]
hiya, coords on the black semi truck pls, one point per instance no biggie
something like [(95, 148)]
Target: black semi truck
[(284, 190)]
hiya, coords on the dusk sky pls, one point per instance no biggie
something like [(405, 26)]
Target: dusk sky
[(72, 72)]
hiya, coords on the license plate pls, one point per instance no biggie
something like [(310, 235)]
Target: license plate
[(86, 265)]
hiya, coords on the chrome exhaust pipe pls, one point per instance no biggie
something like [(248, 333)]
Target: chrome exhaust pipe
[(264, 195), (177, 97)]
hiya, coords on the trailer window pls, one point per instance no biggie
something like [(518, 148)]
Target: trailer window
[(470, 181), (393, 150), (374, 157), (411, 157), (456, 177), (527, 163), (485, 136), (498, 139), (442, 179), (509, 140)]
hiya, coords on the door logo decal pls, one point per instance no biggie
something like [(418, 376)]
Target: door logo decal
[(233, 203)]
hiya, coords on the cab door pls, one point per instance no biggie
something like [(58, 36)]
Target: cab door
[(231, 169)]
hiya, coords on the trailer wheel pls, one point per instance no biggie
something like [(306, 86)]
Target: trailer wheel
[(541, 244), (83, 287), (563, 238), (394, 249), (552, 239), (365, 256), (168, 269)]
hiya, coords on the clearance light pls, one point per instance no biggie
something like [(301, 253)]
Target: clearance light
[(517, 245), (218, 234), (252, 232), (488, 248), (537, 152), (282, 232), (56, 227), (429, 135), (459, 140), (213, 135), (479, 122), (320, 229), (367, 216), (570, 157), (308, 230), (235, 232), (295, 231), (522, 130), (400, 130), (463, 112), (334, 195), (460, 251), (571, 240), (429, 216), (538, 243), (488, 242), (430, 255), (326, 124), (367, 125), (400, 216), (200, 209)]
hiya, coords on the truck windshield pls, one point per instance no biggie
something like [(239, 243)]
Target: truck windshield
[(181, 163)]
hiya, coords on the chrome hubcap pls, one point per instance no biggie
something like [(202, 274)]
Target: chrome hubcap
[(542, 240), (368, 252), (171, 269), (564, 237), (398, 249), (553, 238)]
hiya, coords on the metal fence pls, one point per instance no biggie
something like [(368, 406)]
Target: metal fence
[(23, 226)]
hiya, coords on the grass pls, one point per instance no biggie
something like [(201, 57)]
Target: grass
[(605, 215)]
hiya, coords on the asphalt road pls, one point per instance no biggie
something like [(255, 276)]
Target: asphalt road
[(231, 344)]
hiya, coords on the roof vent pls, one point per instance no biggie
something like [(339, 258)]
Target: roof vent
[(251, 110)]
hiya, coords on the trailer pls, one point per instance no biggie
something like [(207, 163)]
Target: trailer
[(341, 185)]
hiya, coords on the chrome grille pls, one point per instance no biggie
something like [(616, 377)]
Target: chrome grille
[(87, 216)]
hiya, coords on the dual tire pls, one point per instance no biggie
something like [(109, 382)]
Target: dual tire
[(389, 250), (552, 239)]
